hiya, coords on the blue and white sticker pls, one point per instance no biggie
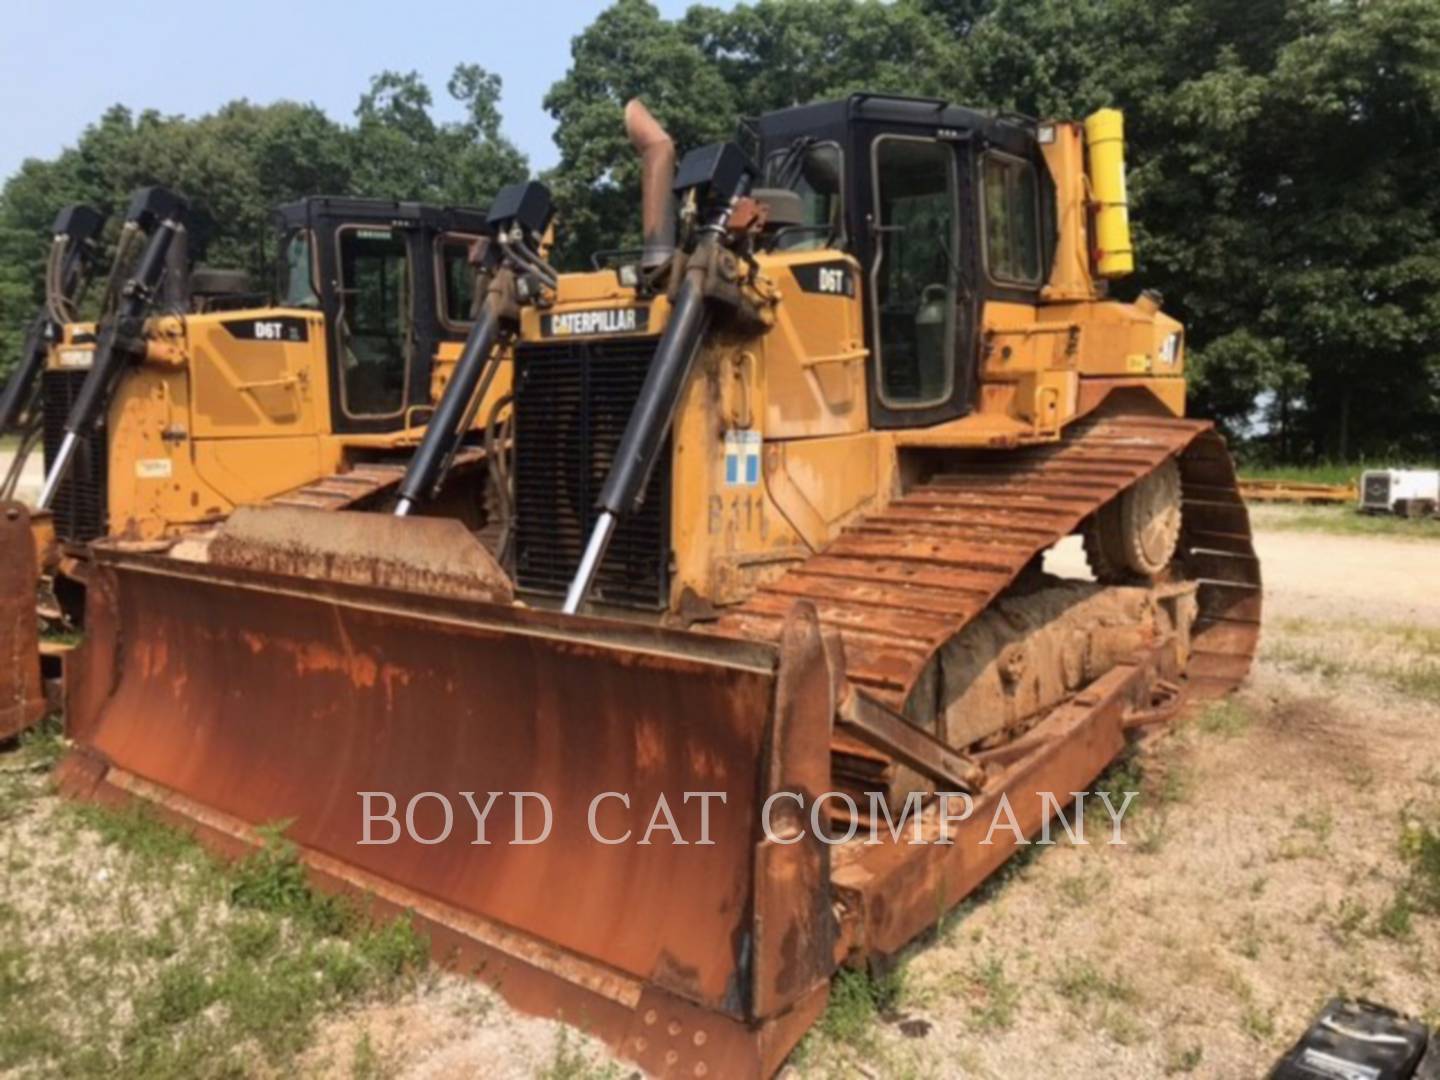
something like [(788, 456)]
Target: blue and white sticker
[(742, 458)]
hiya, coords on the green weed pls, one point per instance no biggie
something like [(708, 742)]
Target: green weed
[(1184, 1059), (999, 997), (1258, 1023), (1083, 984), (1225, 718), (1420, 849), (1396, 921), (857, 1000), (569, 1060), (236, 972)]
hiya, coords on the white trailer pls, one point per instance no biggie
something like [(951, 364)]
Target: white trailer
[(1405, 492)]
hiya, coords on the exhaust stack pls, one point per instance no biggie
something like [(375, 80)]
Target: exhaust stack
[(657, 171)]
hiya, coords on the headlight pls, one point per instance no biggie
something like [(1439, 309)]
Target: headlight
[(75, 358)]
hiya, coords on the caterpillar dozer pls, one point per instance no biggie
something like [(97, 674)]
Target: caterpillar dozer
[(194, 393), (73, 253), (784, 483)]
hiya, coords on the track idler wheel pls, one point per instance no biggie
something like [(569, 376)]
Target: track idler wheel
[(1134, 536)]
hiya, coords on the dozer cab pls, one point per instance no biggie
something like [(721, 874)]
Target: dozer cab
[(194, 393), (783, 486), (211, 400)]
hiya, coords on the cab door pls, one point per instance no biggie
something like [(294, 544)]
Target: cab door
[(372, 328), (920, 296)]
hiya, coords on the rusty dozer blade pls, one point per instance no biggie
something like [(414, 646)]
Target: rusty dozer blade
[(230, 697), (439, 556), (22, 701)]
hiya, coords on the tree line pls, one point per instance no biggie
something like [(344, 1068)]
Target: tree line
[(1283, 156)]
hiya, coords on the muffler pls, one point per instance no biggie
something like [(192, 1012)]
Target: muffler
[(657, 170)]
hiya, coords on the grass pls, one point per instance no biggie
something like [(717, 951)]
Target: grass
[(1327, 472), (1083, 984), (1418, 677), (1225, 718), (858, 1000), (1257, 1022), (1397, 656), (1323, 472), (1420, 850), (1342, 520), (137, 954), (1183, 1059), (569, 1060), (996, 997), (1146, 821)]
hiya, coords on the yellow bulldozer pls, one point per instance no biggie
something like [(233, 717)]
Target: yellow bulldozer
[(773, 641), (194, 393)]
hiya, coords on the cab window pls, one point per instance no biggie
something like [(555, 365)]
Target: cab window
[(914, 277), (457, 281), (298, 267), (374, 323), (813, 172), (1012, 220)]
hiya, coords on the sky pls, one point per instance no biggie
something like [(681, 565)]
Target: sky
[(191, 57)]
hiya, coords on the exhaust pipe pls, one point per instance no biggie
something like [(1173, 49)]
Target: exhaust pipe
[(657, 172), (521, 212)]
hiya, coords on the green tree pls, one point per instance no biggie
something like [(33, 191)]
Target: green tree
[(1279, 156), (237, 163), (702, 73), (399, 151), (1280, 161), (628, 51)]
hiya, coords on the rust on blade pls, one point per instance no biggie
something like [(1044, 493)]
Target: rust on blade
[(22, 700), (233, 697), (426, 555), (234, 689)]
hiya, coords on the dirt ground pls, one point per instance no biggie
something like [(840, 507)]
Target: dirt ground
[(1263, 873), (31, 480)]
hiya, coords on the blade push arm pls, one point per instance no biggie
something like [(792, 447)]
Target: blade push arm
[(516, 222), (714, 177), (76, 230), (160, 213)]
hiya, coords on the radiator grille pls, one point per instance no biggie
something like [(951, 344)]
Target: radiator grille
[(572, 402), (80, 504)]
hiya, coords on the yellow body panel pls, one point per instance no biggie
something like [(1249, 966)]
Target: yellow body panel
[(773, 450), (209, 421), (811, 365)]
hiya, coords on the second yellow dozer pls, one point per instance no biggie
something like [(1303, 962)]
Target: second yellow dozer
[(194, 394), (774, 647)]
